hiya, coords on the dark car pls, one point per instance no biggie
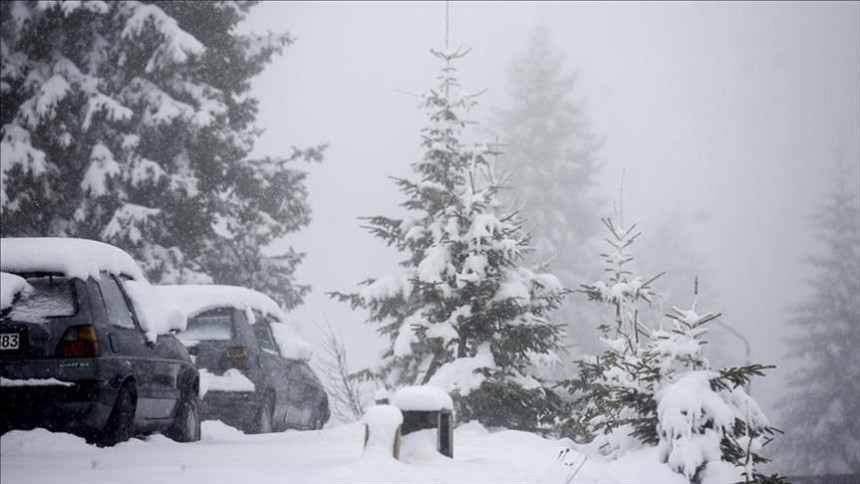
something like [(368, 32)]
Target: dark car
[(85, 345), (253, 367)]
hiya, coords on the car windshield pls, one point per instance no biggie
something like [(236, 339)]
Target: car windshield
[(212, 325), (51, 296)]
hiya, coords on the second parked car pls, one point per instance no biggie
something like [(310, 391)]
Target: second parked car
[(253, 367)]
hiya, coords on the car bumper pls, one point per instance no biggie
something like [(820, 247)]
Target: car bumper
[(82, 405), (236, 409)]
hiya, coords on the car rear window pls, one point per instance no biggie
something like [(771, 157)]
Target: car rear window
[(212, 325), (51, 297)]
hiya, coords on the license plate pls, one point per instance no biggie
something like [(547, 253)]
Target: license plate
[(10, 341)]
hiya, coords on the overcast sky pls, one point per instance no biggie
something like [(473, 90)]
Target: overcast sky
[(732, 113)]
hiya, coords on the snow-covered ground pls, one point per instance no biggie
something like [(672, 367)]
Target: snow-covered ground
[(225, 455)]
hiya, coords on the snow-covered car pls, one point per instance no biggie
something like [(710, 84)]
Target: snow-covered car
[(86, 345), (253, 366)]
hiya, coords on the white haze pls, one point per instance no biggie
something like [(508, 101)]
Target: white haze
[(732, 113)]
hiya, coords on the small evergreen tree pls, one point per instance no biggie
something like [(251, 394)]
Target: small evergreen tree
[(703, 415), (614, 391), (657, 386), (462, 314), (822, 415), (130, 122)]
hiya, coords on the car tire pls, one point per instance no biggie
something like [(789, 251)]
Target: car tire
[(186, 424), (263, 419), (120, 423)]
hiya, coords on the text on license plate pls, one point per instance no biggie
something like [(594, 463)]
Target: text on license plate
[(10, 341)]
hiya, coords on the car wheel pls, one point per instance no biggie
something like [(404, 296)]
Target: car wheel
[(263, 420), (120, 423), (186, 424)]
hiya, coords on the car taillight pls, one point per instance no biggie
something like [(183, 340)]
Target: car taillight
[(79, 342), (236, 357)]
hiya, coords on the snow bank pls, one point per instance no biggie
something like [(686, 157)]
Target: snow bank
[(72, 257), (38, 442), (420, 447), (10, 286), (422, 398), (231, 381), (332, 455)]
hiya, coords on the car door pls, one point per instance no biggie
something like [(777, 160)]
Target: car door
[(128, 343), (277, 370), (162, 361)]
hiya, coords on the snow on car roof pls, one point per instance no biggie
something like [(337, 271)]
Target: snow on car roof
[(193, 299), (78, 258)]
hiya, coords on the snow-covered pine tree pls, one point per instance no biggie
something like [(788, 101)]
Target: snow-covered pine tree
[(613, 392), (130, 122), (704, 416), (462, 314), (657, 386), (551, 155), (822, 415)]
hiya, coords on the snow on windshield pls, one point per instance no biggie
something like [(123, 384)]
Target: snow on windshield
[(47, 297)]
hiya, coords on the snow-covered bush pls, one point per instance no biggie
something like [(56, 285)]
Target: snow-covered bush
[(462, 314)]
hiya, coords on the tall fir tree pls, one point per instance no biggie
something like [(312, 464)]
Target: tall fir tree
[(130, 122), (822, 414), (462, 314), (550, 153)]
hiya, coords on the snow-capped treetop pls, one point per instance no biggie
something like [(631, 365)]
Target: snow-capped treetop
[(10, 286), (194, 299), (426, 398), (460, 310), (71, 257)]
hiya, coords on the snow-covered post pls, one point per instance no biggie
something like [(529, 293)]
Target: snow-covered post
[(426, 408), (382, 431)]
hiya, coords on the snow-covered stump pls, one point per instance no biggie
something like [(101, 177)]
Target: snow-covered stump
[(382, 431), (426, 407)]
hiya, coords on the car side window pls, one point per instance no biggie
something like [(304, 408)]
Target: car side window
[(263, 332), (117, 308)]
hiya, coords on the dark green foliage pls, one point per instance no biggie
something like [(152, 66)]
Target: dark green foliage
[(508, 405), (131, 123)]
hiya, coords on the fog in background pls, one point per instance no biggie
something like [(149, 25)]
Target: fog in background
[(731, 115)]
